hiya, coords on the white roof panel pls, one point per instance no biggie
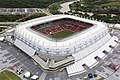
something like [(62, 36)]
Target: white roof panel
[(1, 38), (34, 77)]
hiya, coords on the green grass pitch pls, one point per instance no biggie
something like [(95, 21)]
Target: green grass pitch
[(7, 75), (61, 34)]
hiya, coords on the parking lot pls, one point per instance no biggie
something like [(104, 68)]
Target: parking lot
[(19, 10)]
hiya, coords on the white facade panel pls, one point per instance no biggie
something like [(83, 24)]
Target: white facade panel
[(93, 47), (28, 50)]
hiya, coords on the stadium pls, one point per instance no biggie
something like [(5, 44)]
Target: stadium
[(64, 41)]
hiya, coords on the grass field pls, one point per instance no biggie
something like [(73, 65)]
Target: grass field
[(62, 34), (7, 75)]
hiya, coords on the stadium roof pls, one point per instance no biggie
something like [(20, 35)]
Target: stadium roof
[(24, 30)]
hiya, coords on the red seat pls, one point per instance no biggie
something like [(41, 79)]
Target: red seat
[(74, 28)]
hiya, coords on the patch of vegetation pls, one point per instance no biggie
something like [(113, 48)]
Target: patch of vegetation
[(97, 6), (54, 8), (104, 10), (14, 17), (7, 75), (10, 17), (107, 18), (36, 15), (102, 78), (27, 3), (111, 4)]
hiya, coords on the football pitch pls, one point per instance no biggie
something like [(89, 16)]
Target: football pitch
[(7, 75), (61, 34)]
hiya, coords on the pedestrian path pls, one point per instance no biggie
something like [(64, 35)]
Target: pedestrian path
[(43, 75)]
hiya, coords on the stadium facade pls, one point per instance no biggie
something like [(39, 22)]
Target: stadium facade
[(91, 39)]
